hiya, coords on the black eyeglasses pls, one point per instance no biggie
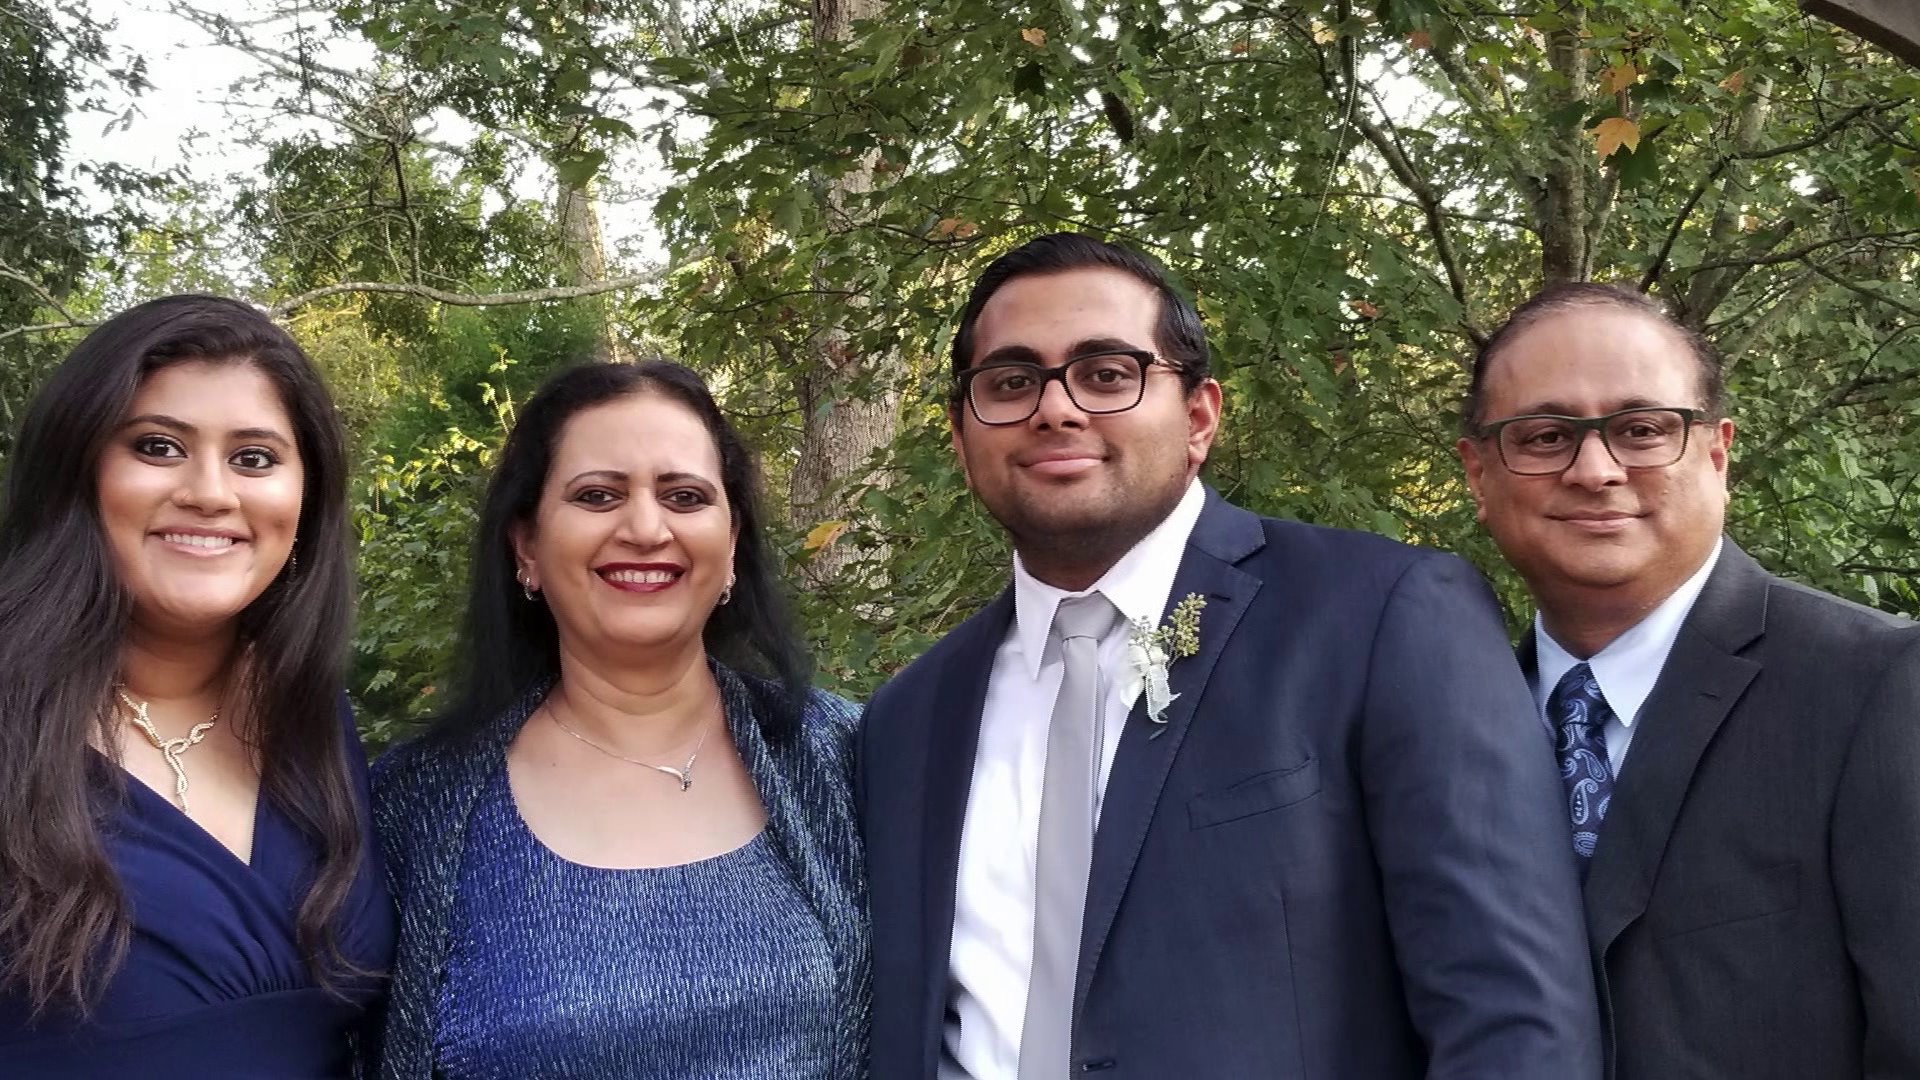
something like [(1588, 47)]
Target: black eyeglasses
[(1545, 445), (1097, 384)]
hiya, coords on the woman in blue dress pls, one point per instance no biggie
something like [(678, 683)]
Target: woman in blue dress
[(187, 877), (628, 850)]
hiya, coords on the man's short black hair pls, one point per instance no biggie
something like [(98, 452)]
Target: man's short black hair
[(1180, 338), (1588, 294)]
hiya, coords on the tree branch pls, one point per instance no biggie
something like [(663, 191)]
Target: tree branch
[(1388, 147), (1833, 399), (1879, 568), (1429, 204), (44, 328), (441, 296), (1383, 196), (1655, 268), (38, 290), (1802, 252), (1904, 308)]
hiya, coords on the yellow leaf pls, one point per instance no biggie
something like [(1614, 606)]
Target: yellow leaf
[(1240, 47), (1034, 36), (1735, 82), (1615, 132), (1420, 39), (1324, 34), (823, 535), (1619, 77), (966, 230), (1364, 309), (947, 227), (1749, 223)]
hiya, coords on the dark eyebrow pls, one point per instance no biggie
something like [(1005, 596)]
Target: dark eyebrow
[(614, 475), (683, 477), (1098, 345), (173, 423), (1025, 354), (258, 434)]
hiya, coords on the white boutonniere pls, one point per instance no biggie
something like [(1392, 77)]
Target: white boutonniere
[(1151, 649)]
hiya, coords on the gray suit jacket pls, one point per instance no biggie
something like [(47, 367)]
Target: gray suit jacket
[(424, 794), (1754, 903)]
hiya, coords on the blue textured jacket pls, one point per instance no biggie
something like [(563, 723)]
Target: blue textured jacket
[(424, 796)]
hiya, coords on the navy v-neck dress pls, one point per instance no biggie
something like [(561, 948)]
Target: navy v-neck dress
[(214, 984)]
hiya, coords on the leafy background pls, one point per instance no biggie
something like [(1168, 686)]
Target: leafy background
[(1353, 191)]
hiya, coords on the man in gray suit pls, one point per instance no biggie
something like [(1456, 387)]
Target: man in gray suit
[(1741, 755)]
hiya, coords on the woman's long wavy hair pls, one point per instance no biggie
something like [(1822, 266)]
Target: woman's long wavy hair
[(64, 615), (511, 646)]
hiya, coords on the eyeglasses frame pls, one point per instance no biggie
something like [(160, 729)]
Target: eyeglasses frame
[(1596, 424), (963, 383)]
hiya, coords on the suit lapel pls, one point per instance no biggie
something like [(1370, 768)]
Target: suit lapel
[(1703, 678), (1223, 536), (954, 703)]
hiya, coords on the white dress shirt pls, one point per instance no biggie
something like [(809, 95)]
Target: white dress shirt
[(992, 951), (1627, 668)]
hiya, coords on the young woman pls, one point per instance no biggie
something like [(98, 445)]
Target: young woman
[(187, 879), (628, 851)]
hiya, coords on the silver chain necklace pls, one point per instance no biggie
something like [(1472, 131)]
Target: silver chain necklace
[(684, 774)]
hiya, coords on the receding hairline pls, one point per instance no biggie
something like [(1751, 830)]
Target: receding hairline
[(1514, 332)]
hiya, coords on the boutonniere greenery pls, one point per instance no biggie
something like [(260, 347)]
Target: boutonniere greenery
[(1151, 649)]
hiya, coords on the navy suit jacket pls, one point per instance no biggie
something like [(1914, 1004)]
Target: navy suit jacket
[(1341, 858), (1754, 903)]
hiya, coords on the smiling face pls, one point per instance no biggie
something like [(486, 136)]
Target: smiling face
[(1598, 533), (1074, 489), (632, 542), (200, 493)]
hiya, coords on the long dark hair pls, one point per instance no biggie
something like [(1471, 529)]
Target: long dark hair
[(64, 614), (511, 645)]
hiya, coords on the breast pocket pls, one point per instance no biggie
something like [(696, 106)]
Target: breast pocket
[(1256, 794), (1703, 906)]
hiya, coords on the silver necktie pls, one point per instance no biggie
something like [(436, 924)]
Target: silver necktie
[(1066, 839)]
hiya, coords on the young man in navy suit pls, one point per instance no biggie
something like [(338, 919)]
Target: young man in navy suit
[(1742, 754), (1201, 794)]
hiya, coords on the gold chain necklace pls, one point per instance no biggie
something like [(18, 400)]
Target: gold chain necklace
[(684, 774), (170, 749)]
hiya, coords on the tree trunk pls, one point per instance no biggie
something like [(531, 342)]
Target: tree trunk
[(583, 255), (1564, 210), (840, 431), (1709, 288)]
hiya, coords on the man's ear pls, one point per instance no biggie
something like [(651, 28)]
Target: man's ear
[(1723, 430), (956, 418), (1204, 403), (1470, 460)]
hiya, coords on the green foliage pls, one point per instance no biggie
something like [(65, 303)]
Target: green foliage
[(55, 62), (1354, 192), (416, 520)]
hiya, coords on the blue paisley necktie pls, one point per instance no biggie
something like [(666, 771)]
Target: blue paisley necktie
[(1580, 713)]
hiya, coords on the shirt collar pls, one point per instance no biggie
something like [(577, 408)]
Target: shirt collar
[(1630, 664), (1139, 584)]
